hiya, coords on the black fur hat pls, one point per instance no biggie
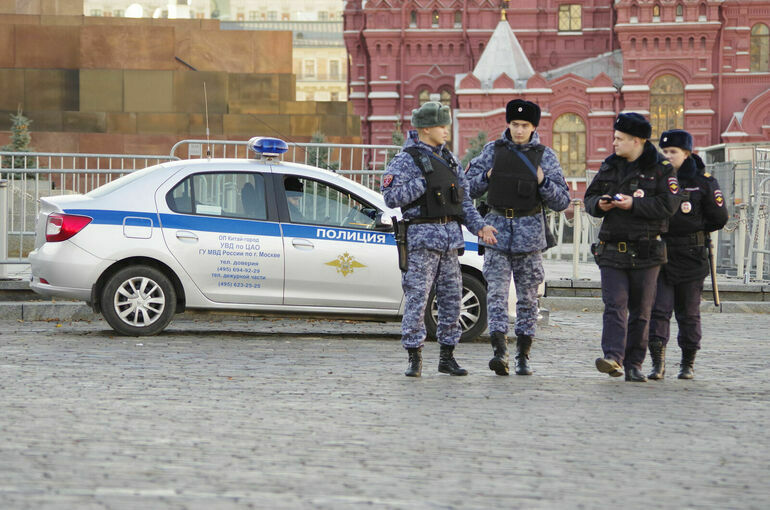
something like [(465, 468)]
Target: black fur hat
[(634, 125), (676, 138), (518, 109)]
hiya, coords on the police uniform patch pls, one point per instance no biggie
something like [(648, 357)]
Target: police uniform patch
[(639, 193), (686, 207), (386, 180), (718, 198), (673, 185)]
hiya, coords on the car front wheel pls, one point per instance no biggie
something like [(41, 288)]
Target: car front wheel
[(473, 310), (138, 301)]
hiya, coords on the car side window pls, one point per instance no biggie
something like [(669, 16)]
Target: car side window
[(317, 203), (228, 194)]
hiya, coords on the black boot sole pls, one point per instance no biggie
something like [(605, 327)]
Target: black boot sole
[(498, 366)]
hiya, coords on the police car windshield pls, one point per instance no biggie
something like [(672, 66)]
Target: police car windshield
[(119, 183)]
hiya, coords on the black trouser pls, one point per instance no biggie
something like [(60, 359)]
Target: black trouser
[(684, 300), (628, 295)]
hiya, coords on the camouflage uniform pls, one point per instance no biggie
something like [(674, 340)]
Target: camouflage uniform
[(432, 249), (520, 241)]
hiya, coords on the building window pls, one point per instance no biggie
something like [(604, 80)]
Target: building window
[(666, 104), (760, 47), (446, 98), (569, 142), (702, 12), (323, 16), (434, 19), (413, 19), (335, 96), (570, 18), (334, 69), (119, 13), (458, 19), (272, 15), (252, 15), (679, 12), (656, 12), (423, 96), (634, 13), (96, 12), (308, 69)]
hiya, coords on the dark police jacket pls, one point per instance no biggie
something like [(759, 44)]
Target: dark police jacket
[(631, 239), (702, 210)]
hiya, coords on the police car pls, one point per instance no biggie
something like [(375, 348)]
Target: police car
[(257, 235)]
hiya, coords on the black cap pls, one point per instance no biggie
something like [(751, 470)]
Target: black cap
[(676, 138), (519, 109), (634, 125), (292, 184)]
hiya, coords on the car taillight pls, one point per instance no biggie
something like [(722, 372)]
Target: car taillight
[(61, 227)]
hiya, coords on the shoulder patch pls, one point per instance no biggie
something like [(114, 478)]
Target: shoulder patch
[(666, 162), (387, 180), (673, 185), (718, 198)]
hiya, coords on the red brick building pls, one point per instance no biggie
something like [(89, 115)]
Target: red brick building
[(701, 65)]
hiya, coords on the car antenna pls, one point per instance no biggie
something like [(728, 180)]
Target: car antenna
[(206, 104)]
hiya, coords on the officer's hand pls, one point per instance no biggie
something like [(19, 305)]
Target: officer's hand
[(540, 175), (606, 203), (487, 234), (626, 202)]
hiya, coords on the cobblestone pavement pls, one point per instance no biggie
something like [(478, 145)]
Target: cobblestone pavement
[(314, 414)]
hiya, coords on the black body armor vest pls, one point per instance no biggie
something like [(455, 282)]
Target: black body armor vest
[(512, 184), (443, 194)]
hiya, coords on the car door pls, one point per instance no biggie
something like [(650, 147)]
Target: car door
[(217, 227), (334, 255)]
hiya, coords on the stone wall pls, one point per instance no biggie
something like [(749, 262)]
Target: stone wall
[(116, 85)]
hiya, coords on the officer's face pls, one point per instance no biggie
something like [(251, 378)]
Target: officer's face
[(521, 130), (676, 156), (435, 136), (626, 145)]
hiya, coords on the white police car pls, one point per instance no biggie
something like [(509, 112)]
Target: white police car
[(256, 235)]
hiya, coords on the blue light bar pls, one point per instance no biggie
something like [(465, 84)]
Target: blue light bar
[(268, 146)]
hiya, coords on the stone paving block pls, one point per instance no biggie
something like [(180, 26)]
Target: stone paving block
[(10, 310), (101, 90), (148, 91)]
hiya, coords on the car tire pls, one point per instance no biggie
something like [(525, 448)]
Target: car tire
[(473, 309), (138, 301)]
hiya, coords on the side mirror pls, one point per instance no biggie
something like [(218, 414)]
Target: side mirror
[(383, 223)]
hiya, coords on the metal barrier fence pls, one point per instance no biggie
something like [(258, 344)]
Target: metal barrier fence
[(741, 245), (361, 163), (32, 175)]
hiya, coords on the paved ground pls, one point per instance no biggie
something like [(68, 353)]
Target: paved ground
[(296, 414)]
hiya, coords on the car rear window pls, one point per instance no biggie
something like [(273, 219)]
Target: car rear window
[(119, 182)]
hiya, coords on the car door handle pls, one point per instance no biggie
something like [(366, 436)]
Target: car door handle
[(186, 235), (302, 244)]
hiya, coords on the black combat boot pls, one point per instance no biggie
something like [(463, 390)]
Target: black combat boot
[(686, 369), (523, 343), (447, 363), (633, 374), (415, 362), (658, 357), (499, 364)]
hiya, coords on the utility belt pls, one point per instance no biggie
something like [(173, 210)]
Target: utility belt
[(514, 213), (442, 220), (641, 249), (694, 239)]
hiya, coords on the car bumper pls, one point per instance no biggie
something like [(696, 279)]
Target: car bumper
[(70, 271)]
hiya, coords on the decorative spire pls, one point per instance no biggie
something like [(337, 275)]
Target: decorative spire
[(503, 8)]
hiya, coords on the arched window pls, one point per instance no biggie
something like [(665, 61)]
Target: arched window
[(666, 104), (760, 47), (458, 19), (634, 12), (569, 142), (423, 96), (434, 19), (679, 12), (446, 97), (413, 19), (702, 11), (656, 12)]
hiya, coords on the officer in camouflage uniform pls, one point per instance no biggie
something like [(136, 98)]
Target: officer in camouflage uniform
[(426, 181), (635, 192), (521, 176), (680, 283)]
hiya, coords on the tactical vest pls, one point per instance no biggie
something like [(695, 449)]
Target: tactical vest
[(512, 184), (443, 195)]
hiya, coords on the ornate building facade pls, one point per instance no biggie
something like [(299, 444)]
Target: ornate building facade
[(701, 65)]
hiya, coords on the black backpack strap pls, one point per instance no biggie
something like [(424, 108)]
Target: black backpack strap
[(420, 159)]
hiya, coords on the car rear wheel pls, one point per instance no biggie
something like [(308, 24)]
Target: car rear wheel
[(138, 301), (473, 310)]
